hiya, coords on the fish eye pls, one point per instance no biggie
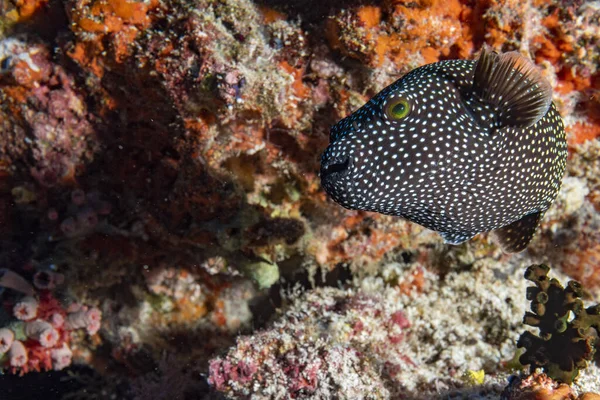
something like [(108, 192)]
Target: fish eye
[(397, 109)]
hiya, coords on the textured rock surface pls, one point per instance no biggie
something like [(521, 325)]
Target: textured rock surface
[(162, 157)]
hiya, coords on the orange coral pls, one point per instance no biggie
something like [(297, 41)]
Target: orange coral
[(107, 16), (569, 80), (300, 89), (414, 282), (29, 75), (28, 8), (547, 50), (370, 16), (428, 28), (187, 311), (582, 265), (122, 20), (538, 386), (431, 28), (580, 132), (271, 15)]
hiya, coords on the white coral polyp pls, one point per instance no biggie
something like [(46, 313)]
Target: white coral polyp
[(7, 338), (43, 332), (93, 319), (89, 319), (26, 309), (17, 354), (57, 320), (76, 320), (61, 357)]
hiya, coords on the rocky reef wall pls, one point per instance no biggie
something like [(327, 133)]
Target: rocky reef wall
[(159, 177)]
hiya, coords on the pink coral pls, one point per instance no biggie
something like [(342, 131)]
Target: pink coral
[(302, 354), (47, 279), (49, 334), (78, 197), (84, 213), (69, 227), (45, 103), (93, 318), (76, 320), (61, 357), (52, 214), (90, 319), (57, 320), (26, 308), (17, 354), (43, 332), (87, 218), (6, 339)]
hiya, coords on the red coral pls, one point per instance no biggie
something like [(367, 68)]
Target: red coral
[(48, 345), (222, 372)]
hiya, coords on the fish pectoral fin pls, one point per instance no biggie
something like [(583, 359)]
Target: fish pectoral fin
[(456, 237), (514, 85), (515, 237)]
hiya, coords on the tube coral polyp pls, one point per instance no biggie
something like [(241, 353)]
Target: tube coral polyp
[(57, 320), (61, 357), (7, 338), (17, 354), (40, 340), (84, 213), (84, 318), (78, 197), (47, 279), (42, 332), (26, 309)]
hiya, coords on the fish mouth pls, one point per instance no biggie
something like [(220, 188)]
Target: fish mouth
[(335, 168)]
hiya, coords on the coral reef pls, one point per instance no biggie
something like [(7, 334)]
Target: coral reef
[(159, 195), (541, 387), (403, 332), (567, 331), (42, 333), (335, 348), (45, 120)]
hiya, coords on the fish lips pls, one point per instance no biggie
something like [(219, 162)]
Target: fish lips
[(336, 176)]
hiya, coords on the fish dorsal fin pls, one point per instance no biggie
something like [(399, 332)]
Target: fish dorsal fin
[(515, 237), (456, 237), (514, 85)]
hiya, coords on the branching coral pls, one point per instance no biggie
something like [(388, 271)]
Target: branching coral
[(567, 331)]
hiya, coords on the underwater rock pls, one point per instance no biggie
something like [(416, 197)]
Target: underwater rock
[(151, 151)]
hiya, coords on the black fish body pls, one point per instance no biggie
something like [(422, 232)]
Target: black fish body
[(460, 147)]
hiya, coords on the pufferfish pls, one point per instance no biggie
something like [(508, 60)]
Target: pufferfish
[(459, 146)]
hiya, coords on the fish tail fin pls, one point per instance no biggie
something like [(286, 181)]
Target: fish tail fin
[(515, 237)]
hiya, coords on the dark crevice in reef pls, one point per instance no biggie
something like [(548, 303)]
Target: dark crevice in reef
[(46, 22), (51, 385), (292, 277)]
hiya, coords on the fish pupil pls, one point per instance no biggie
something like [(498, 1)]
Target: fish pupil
[(399, 109)]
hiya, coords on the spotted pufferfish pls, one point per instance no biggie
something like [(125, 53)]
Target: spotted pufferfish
[(460, 147)]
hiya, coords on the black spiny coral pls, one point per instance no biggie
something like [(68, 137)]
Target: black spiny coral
[(567, 330)]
